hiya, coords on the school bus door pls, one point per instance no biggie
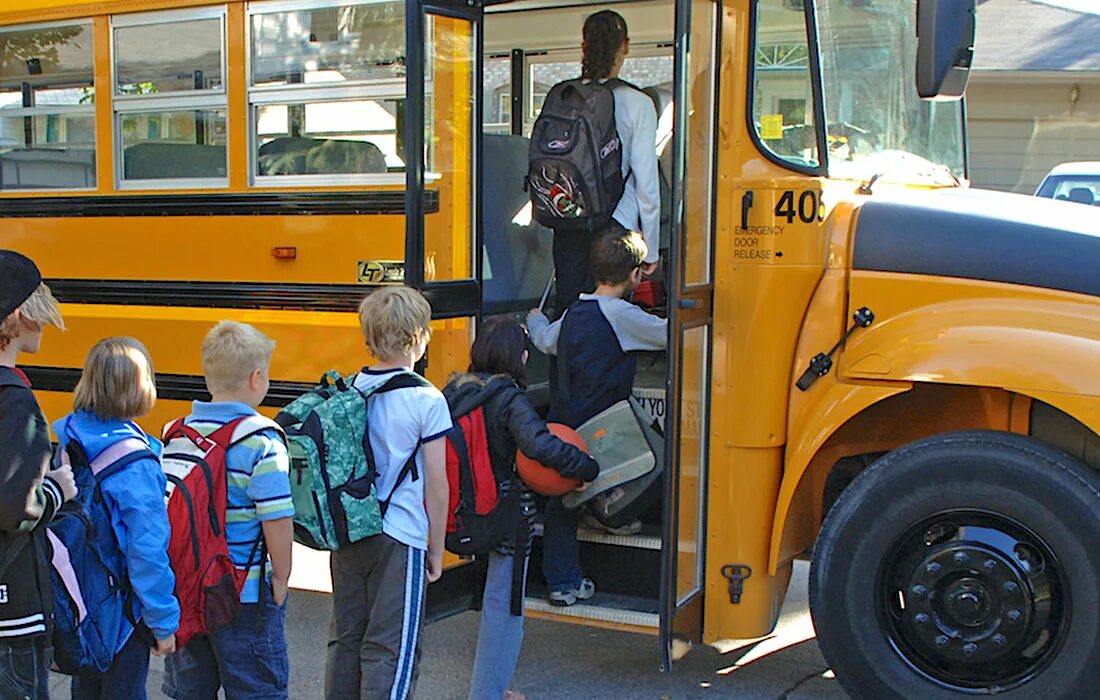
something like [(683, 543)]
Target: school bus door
[(442, 236), (690, 284)]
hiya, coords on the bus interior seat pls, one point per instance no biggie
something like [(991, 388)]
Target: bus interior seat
[(294, 155), (52, 168), (1082, 195), (518, 257), (157, 160), (350, 157)]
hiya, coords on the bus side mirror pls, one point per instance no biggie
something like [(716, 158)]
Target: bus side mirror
[(945, 47)]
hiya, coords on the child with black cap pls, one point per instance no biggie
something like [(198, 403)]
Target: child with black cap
[(29, 494)]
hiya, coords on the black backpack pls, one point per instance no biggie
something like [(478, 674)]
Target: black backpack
[(575, 158)]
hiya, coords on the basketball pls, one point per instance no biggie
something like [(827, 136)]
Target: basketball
[(545, 480)]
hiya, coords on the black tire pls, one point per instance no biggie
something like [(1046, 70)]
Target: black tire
[(910, 582)]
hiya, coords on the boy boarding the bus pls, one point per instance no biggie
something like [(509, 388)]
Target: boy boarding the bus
[(378, 582), (118, 467), (29, 494), (594, 341), (246, 655)]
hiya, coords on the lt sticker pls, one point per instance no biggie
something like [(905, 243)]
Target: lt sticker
[(380, 272)]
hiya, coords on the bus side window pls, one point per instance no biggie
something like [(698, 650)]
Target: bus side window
[(47, 108)]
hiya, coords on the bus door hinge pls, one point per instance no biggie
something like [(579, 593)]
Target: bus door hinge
[(736, 574), (823, 361)]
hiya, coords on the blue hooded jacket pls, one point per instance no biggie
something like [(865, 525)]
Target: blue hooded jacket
[(135, 499)]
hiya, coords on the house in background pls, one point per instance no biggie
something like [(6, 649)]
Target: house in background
[(1034, 95)]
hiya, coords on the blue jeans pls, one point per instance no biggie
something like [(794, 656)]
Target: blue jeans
[(247, 658), (25, 669), (561, 555), (124, 680), (500, 634)]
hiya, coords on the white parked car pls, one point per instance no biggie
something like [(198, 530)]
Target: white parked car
[(1073, 182)]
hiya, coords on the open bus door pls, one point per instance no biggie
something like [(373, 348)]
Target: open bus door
[(442, 137), (690, 283)]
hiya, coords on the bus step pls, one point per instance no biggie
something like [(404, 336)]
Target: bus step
[(648, 538), (602, 610), (638, 541)]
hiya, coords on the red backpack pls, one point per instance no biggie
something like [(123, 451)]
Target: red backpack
[(208, 585), (477, 519), (484, 507)]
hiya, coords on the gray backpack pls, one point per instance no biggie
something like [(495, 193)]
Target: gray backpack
[(575, 158)]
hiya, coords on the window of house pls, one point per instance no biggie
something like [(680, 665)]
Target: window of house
[(170, 99), (47, 107), (327, 92)]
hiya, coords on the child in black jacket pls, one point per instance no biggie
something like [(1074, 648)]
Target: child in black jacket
[(29, 496), (495, 382)]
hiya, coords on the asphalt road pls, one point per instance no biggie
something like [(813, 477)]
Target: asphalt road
[(568, 662)]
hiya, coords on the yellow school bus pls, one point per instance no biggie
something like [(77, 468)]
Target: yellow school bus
[(870, 364)]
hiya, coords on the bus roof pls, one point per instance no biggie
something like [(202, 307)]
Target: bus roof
[(12, 11)]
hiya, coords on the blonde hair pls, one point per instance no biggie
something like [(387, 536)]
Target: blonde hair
[(394, 321), (231, 352), (39, 310), (112, 385)]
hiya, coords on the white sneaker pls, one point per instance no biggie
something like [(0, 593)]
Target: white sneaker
[(586, 590), (593, 523)]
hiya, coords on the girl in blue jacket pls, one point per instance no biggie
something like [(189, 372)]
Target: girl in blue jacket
[(116, 387)]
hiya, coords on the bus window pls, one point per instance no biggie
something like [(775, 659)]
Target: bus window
[(47, 108), (171, 112), (782, 91), (327, 93)]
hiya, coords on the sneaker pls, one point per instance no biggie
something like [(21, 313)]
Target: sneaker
[(590, 522), (586, 590)]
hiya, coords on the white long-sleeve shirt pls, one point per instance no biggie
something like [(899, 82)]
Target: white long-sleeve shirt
[(640, 207)]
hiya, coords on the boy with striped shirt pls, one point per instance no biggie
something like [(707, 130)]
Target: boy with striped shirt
[(247, 658)]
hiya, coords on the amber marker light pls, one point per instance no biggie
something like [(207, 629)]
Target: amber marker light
[(284, 252)]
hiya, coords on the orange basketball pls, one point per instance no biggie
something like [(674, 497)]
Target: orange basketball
[(545, 480)]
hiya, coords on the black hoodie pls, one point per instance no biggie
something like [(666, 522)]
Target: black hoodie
[(511, 422), (27, 504)]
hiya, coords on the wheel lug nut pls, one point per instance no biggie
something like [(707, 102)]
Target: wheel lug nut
[(919, 591), (1010, 587), (990, 565), (921, 618), (1014, 615), (961, 558), (942, 641), (970, 648), (933, 567), (999, 640)]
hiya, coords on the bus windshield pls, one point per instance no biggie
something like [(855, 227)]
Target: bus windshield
[(876, 122)]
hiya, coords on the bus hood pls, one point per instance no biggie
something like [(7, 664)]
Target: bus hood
[(981, 235)]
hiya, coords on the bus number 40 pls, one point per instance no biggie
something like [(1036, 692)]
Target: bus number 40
[(809, 210)]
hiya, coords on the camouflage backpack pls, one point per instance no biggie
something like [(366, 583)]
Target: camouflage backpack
[(332, 466)]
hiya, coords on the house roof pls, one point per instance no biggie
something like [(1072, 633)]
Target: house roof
[(1038, 35)]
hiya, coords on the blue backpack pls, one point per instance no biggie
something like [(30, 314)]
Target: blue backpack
[(93, 601)]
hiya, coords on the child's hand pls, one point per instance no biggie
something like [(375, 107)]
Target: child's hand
[(63, 477), (435, 566), (279, 590), (165, 647)]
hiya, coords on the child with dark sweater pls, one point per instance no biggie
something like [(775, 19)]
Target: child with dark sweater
[(594, 340)]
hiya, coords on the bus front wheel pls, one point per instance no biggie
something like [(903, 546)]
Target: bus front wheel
[(963, 564)]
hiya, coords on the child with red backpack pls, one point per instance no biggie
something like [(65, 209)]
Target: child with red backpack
[(117, 468), (491, 397), (239, 647)]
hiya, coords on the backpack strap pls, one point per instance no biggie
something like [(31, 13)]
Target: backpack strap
[(402, 380), (111, 460), (253, 425)]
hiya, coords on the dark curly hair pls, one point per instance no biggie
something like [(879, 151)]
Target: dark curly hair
[(604, 32)]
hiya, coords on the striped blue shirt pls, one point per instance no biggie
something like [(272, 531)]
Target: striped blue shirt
[(258, 475)]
